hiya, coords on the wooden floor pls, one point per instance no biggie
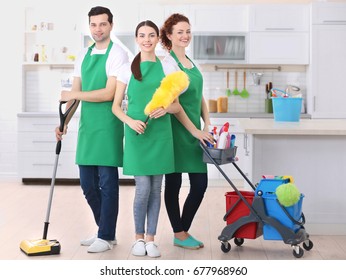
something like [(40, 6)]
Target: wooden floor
[(23, 211)]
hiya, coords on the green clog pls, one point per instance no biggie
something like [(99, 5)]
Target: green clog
[(188, 243)]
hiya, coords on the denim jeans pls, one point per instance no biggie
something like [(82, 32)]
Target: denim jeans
[(100, 187), (147, 203), (198, 185)]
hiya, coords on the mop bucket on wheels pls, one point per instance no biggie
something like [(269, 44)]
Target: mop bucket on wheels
[(249, 214)]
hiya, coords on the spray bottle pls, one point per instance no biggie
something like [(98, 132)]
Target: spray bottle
[(224, 141)]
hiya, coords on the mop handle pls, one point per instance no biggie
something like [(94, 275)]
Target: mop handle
[(63, 117)]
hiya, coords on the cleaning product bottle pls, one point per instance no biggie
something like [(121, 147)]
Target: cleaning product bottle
[(216, 136), (224, 139), (224, 127), (210, 145)]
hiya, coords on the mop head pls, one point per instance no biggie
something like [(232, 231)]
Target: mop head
[(40, 247), (170, 88), (287, 194)]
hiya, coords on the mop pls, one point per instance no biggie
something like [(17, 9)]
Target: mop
[(44, 246)]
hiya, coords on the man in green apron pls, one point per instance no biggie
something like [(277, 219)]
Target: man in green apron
[(100, 136)]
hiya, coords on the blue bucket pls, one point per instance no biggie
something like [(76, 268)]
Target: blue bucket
[(274, 210), (287, 109)]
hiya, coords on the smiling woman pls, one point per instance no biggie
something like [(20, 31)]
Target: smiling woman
[(141, 78)]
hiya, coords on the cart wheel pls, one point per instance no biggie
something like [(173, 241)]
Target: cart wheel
[(225, 247), (307, 245), (238, 241), (298, 252)]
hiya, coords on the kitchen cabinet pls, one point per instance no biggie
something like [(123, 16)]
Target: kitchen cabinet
[(219, 48), (36, 147), (219, 18), (328, 61), (279, 34)]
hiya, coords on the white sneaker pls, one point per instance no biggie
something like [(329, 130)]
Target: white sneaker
[(91, 240), (138, 248), (152, 250), (88, 241), (100, 246)]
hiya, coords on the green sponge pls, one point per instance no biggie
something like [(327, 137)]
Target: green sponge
[(287, 194)]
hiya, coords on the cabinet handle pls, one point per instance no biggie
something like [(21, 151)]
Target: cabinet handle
[(40, 141), (44, 164), (246, 145), (335, 21), (43, 124), (278, 28)]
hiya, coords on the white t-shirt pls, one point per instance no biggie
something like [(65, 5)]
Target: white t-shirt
[(116, 59), (125, 71), (169, 59)]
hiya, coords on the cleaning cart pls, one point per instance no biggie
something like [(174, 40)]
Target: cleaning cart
[(251, 214)]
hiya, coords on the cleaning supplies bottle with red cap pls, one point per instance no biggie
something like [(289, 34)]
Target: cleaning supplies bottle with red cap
[(224, 140), (224, 127)]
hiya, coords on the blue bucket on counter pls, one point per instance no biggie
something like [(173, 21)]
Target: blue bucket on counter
[(287, 109)]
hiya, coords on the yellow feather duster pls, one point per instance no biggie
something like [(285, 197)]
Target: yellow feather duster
[(170, 88)]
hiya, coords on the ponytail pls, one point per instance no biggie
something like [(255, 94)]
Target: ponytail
[(136, 67)]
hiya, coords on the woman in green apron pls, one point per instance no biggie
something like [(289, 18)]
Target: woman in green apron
[(100, 135), (187, 133), (148, 152)]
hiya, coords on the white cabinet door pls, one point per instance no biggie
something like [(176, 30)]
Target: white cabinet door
[(326, 91), (328, 13), (327, 69), (37, 144), (279, 48), (219, 18), (283, 17), (279, 34), (36, 147)]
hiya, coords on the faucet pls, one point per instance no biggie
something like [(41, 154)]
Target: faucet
[(291, 88)]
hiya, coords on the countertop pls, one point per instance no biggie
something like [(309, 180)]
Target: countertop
[(42, 114), (262, 124), (303, 127), (250, 115), (212, 115)]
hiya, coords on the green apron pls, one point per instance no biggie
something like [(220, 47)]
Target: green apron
[(150, 153), (100, 134), (188, 154)]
